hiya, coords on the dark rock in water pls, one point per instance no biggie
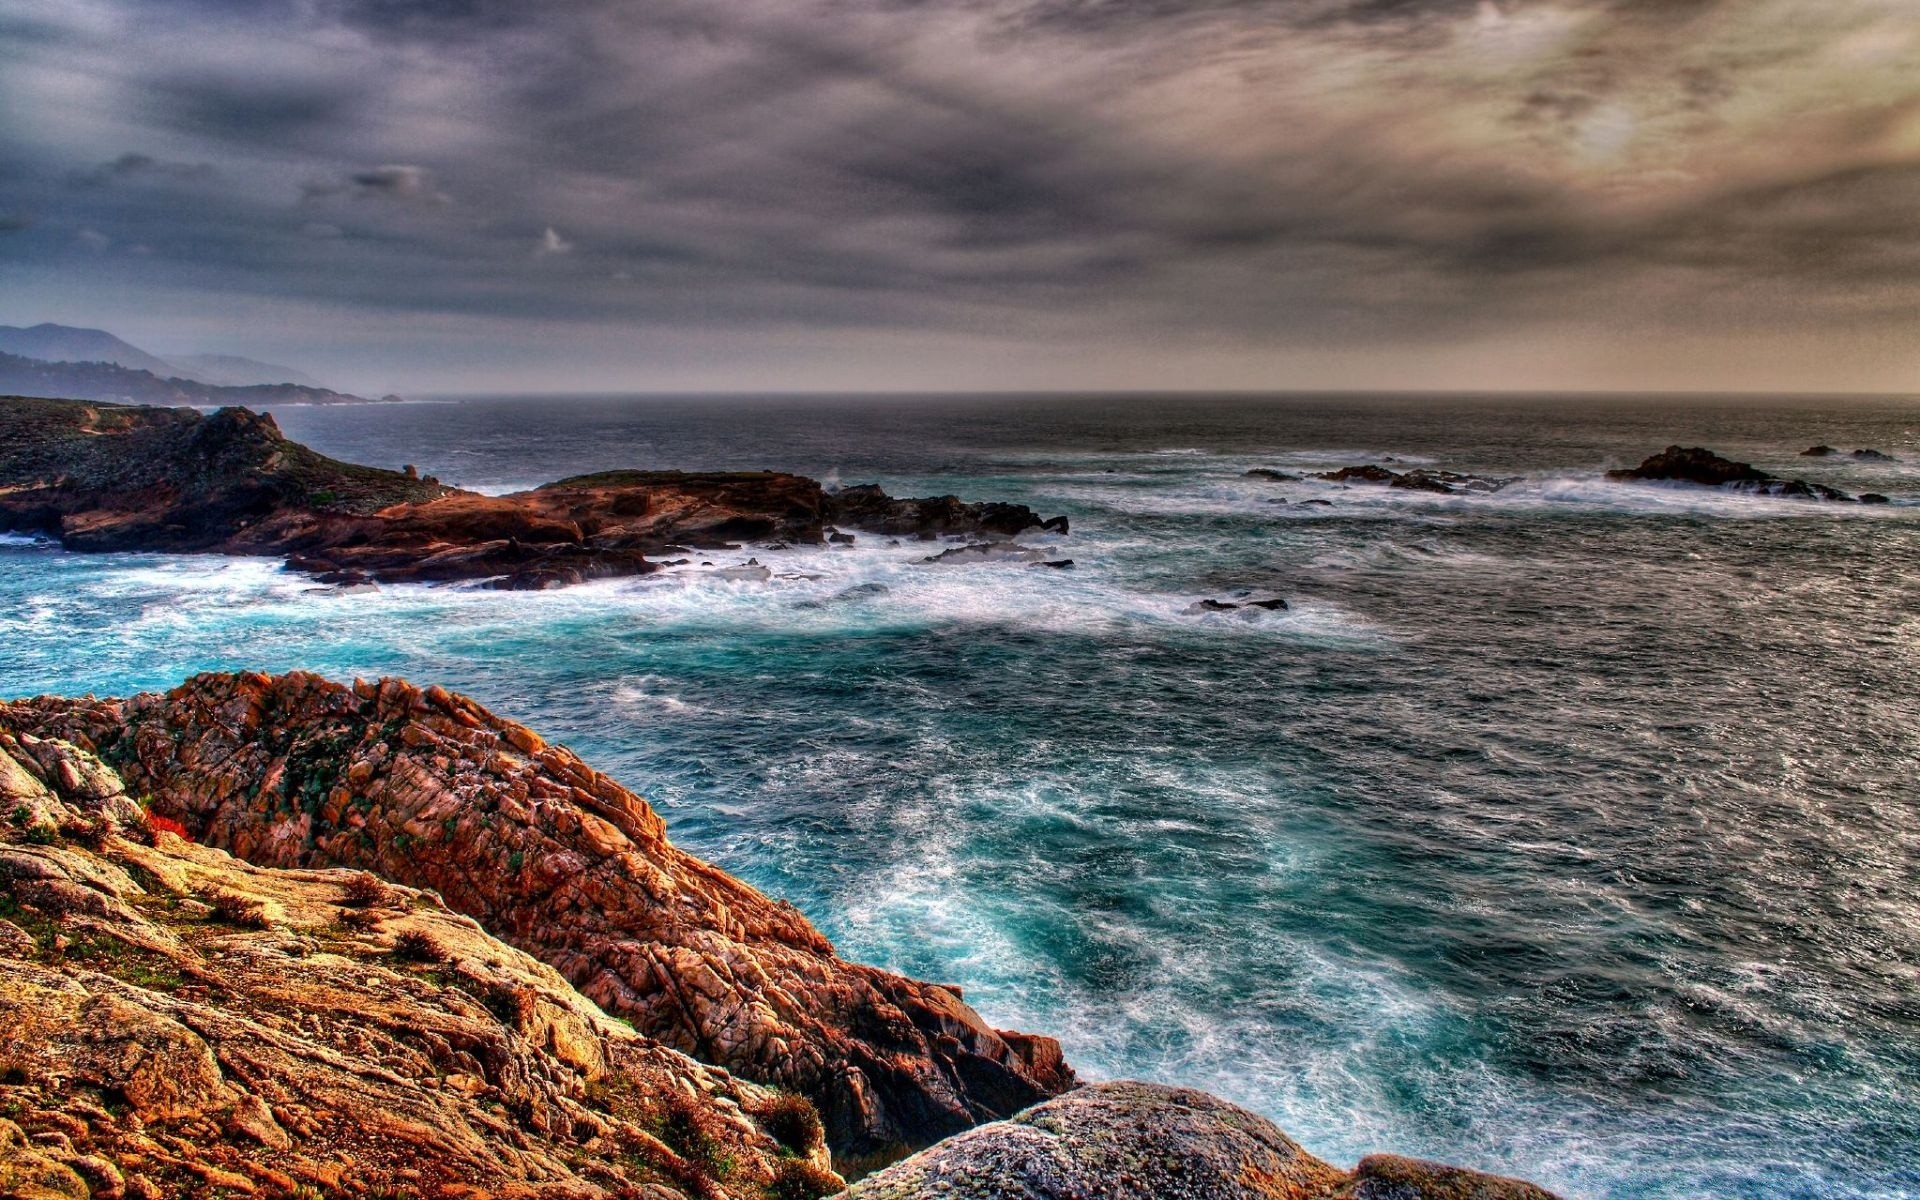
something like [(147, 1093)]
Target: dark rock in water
[(1872, 456), (1873, 498), (865, 506), (1366, 474), (1271, 474), (1314, 503), (1058, 564), (859, 591), (1244, 601), (1419, 479), (1821, 451), (1142, 1141), (1696, 464), (109, 477), (835, 537)]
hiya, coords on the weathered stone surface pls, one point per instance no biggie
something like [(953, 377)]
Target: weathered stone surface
[(317, 1028), (114, 477), (1138, 1141), (431, 790)]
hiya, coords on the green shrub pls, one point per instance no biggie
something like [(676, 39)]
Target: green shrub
[(798, 1179)]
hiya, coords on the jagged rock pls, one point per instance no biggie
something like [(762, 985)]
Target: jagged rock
[(1138, 1141), (1241, 602), (153, 1040), (430, 790), (865, 506), (112, 477), (1696, 464), (1418, 479)]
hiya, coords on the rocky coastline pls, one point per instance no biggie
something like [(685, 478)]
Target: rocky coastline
[(104, 477), (282, 936)]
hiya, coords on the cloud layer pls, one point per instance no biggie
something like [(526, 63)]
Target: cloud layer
[(897, 192)]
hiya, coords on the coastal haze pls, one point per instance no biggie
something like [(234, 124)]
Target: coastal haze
[(770, 195)]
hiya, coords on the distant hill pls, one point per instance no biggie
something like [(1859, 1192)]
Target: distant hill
[(22, 376), (231, 370), (67, 344)]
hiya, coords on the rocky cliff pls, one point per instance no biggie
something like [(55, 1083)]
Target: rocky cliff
[(430, 790), (181, 1024), (113, 477)]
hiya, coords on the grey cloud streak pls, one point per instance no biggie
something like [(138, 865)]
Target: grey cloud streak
[(1253, 178)]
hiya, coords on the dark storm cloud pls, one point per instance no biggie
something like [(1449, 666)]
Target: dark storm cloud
[(1264, 170), (133, 166)]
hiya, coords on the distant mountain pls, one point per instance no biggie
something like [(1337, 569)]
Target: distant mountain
[(231, 370), (65, 343), (22, 376)]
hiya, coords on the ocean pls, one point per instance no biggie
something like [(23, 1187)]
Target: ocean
[(1570, 831)]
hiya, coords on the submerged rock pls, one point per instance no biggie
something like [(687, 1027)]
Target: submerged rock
[(1268, 473), (1872, 456), (1006, 552), (1697, 464), (1140, 1141)]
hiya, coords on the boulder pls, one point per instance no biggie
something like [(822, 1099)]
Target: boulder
[(1140, 1141)]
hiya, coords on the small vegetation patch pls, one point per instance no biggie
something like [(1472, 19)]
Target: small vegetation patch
[(236, 909), (694, 1133), (797, 1179), (791, 1120), (366, 890), (419, 946)]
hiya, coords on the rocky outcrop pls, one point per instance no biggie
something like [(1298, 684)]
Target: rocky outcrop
[(1419, 479), (430, 790), (111, 477), (1698, 465), (1138, 1141), (865, 506), (180, 1023)]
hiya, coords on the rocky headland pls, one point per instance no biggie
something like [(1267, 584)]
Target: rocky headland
[(112, 477), (282, 936)]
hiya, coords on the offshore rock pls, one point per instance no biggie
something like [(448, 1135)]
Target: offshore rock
[(181, 1023), (1419, 479), (430, 790), (1138, 1141), (1696, 464), (114, 477)]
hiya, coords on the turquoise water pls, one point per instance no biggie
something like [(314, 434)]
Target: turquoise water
[(1571, 832)]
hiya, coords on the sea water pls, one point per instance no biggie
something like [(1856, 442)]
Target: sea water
[(1571, 831)]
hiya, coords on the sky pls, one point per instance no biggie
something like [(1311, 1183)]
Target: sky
[(576, 195)]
